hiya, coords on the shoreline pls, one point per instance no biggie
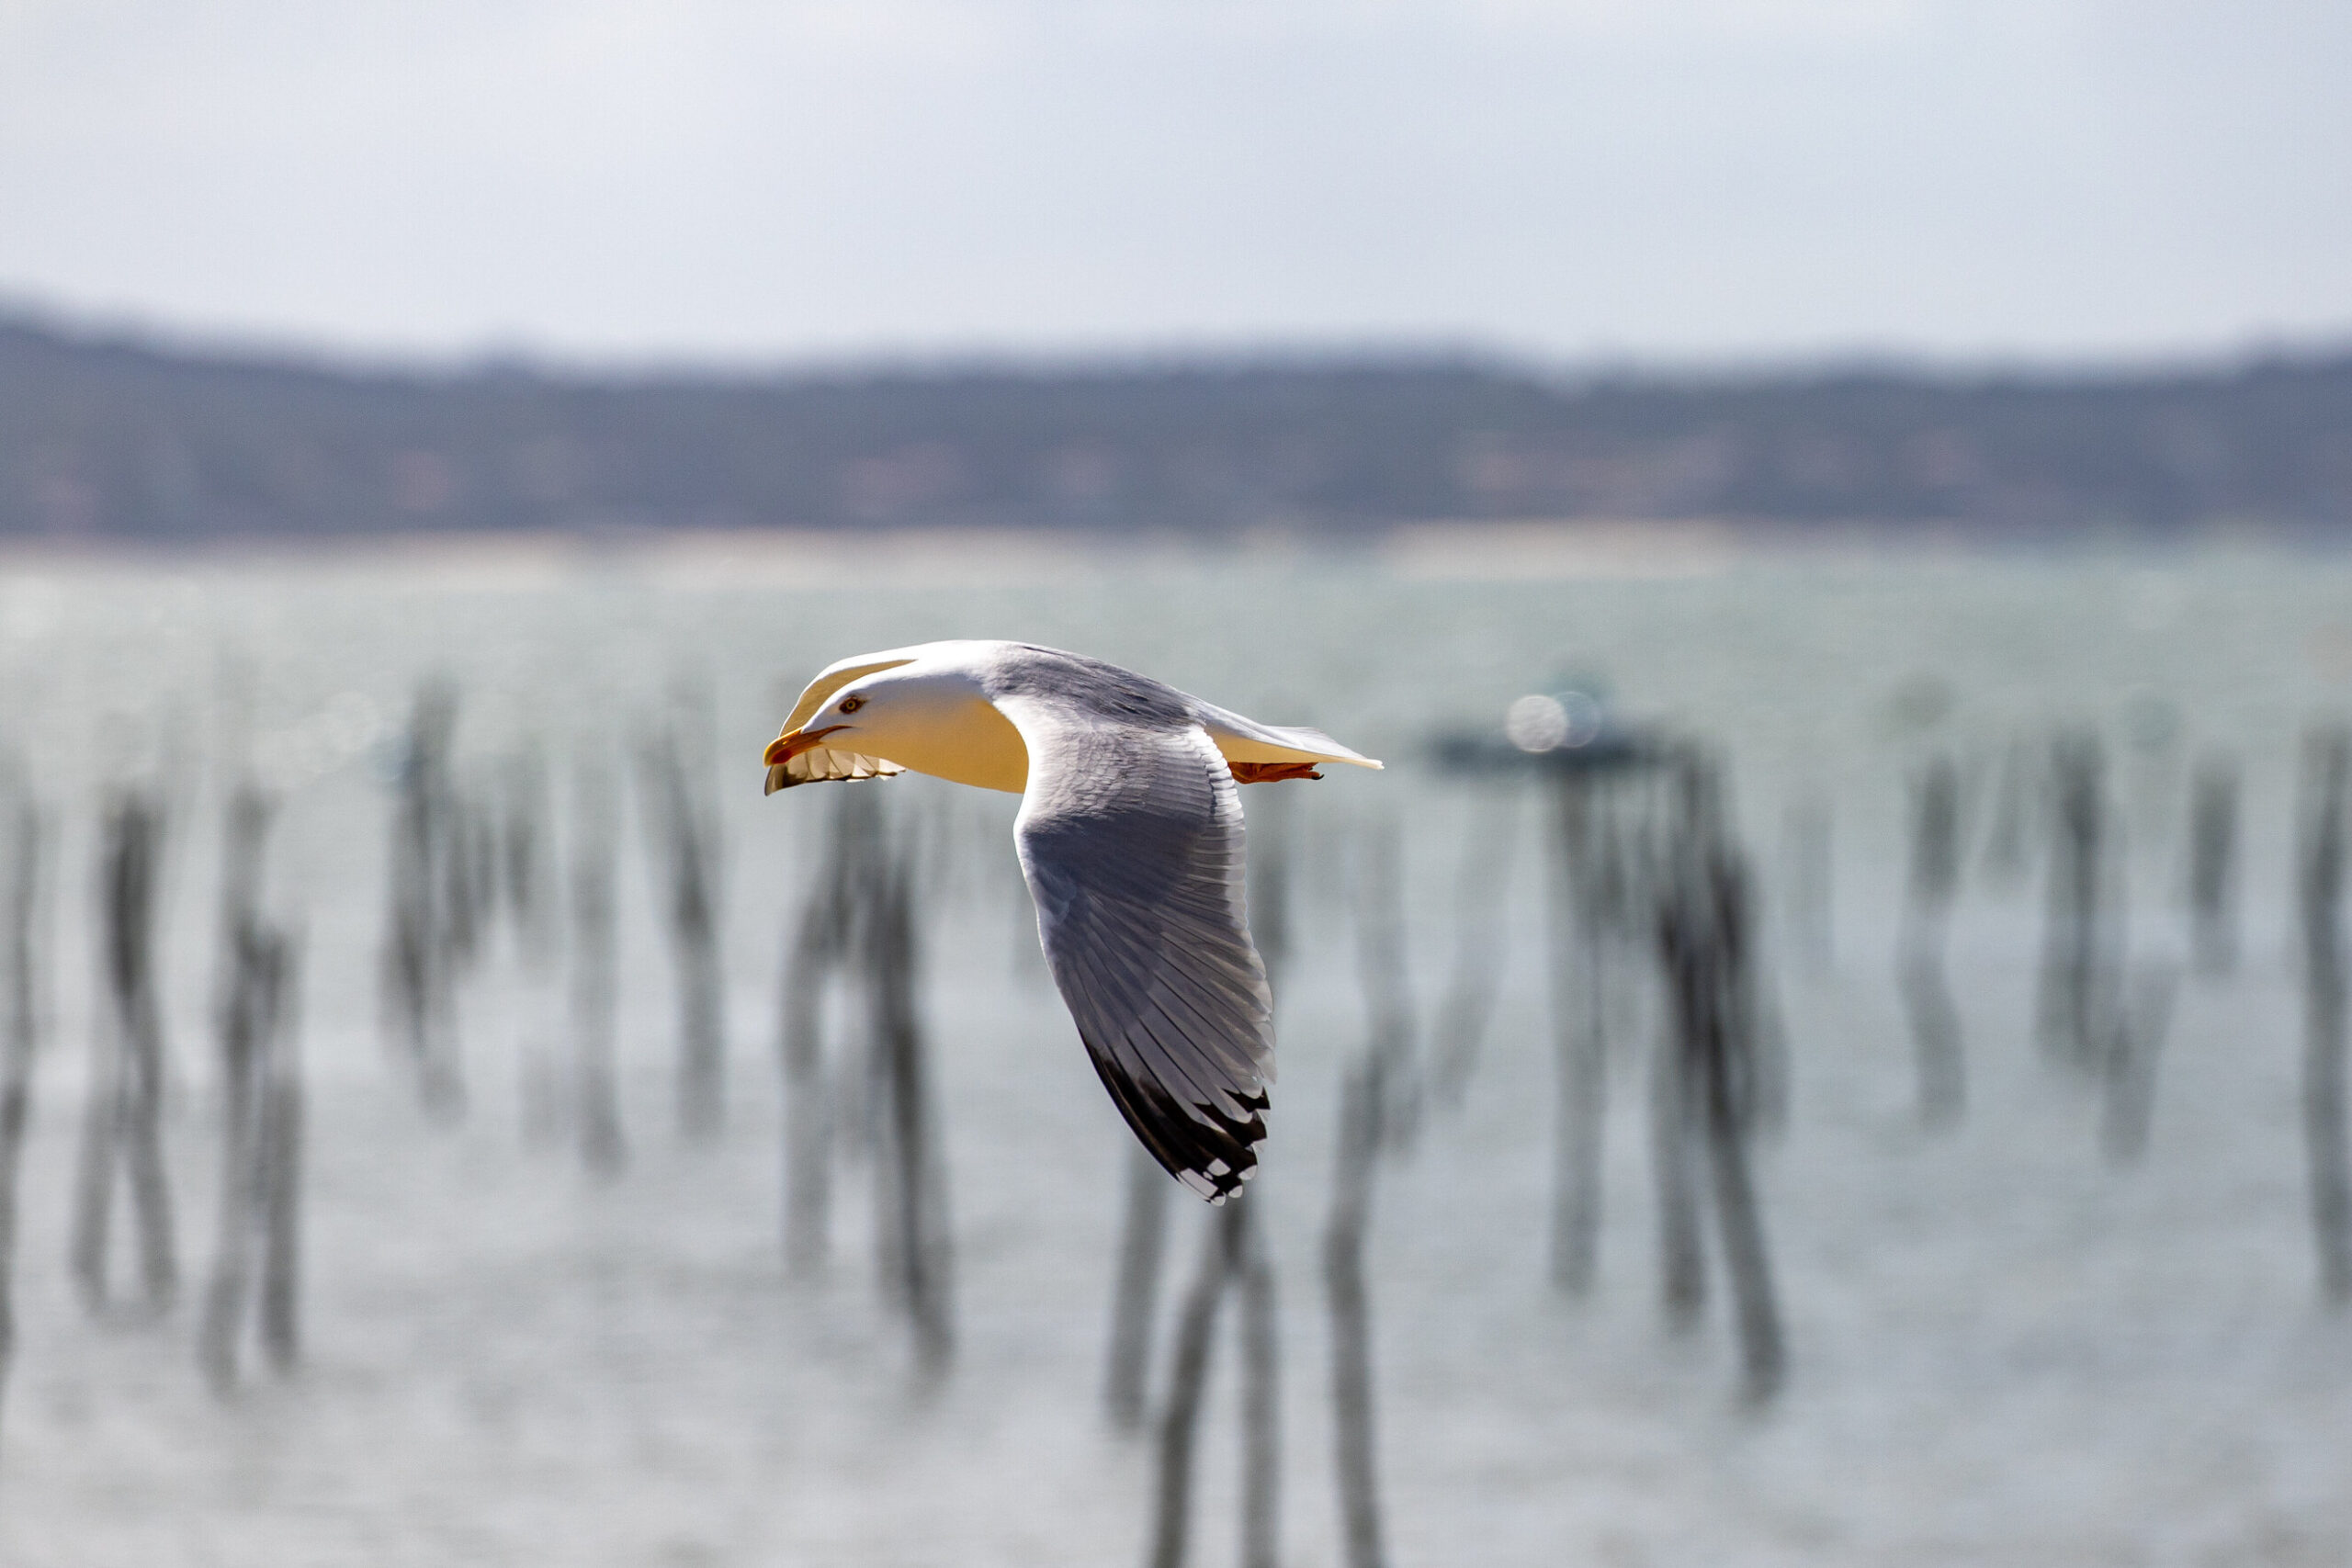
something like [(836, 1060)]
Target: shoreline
[(1462, 550)]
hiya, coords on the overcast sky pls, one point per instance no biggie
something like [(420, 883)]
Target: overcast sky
[(763, 179)]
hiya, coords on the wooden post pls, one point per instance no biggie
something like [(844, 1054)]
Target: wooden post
[(1676, 1097), (248, 986), (683, 830), (1579, 1040), (124, 1119), (428, 929), (1727, 1058), (280, 1156), (1926, 923), (1355, 1444), (1706, 946), (917, 1240), (20, 908), (1261, 1393), (2327, 764), (1187, 1385), (532, 894), (1378, 1103), (595, 943), (2214, 865), (258, 1031), (2072, 996)]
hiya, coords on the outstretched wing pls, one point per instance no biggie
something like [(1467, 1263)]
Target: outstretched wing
[(1130, 837), (1244, 739)]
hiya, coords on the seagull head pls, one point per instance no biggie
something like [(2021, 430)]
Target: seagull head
[(925, 713), (862, 716)]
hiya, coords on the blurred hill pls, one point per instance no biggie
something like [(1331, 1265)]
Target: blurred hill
[(116, 439)]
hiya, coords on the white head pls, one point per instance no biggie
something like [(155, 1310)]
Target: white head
[(920, 708)]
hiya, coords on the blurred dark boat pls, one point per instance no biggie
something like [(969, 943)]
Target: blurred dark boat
[(1573, 729)]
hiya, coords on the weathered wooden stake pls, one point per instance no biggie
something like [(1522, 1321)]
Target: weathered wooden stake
[(244, 994), (595, 944), (2076, 983), (916, 1241), (123, 1121), (428, 929), (1187, 1386), (2327, 768), (683, 830), (280, 1158), (1927, 924), (1580, 1042), (531, 882), (1378, 1111), (2214, 865), (1706, 944), (1677, 1098), (20, 906), (258, 1030), (1355, 1444), (1261, 1390)]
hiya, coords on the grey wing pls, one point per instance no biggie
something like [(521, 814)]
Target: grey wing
[(1131, 841)]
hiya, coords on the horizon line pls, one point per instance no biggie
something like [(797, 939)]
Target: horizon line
[(146, 336)]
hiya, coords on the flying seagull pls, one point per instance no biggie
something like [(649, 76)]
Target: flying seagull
[(1130, 837)]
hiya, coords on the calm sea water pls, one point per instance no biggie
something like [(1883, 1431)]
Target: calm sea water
[(2002, 1351)]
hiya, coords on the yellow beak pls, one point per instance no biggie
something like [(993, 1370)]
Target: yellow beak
[(787, 746)]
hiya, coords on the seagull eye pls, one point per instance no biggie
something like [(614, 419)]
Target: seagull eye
[(851, 705)]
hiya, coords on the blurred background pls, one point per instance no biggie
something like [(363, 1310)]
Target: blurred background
[(1825, 1044)]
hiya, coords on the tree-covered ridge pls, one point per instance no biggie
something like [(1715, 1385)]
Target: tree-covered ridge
[(116, 439)]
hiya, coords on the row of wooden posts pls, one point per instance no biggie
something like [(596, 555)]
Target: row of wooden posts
[(1642, 860), (1652, 906), (450, 861), (454, 861), (457, 855), (2100, 1012), (254, 1284)]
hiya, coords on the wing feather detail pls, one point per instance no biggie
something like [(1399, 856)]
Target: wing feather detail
[(1130, 837), (1250, 741)]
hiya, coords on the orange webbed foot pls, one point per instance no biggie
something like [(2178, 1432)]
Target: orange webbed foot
[(1269, 772)]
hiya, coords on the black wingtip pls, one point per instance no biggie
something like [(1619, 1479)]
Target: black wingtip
[(1212, 1153)]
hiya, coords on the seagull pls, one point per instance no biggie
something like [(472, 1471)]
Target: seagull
[(1129, 835)]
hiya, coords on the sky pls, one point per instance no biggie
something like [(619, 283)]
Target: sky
[(748, 181)]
